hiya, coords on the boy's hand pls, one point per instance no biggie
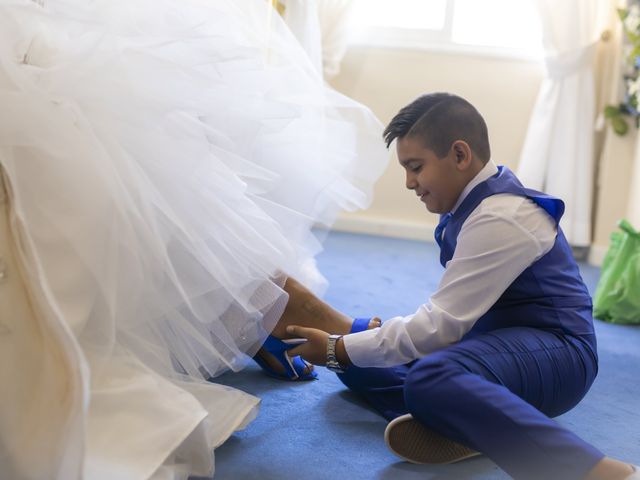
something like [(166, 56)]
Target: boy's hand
[(314, 350)]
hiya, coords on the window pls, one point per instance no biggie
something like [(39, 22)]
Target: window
[(496, 27)]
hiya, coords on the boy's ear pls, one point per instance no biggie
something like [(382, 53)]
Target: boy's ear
[(462, 153)]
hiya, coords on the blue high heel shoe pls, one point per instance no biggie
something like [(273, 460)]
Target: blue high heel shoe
[(294, 367)]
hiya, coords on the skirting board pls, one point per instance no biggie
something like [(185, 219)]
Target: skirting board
[(596, 254), (386, 227)]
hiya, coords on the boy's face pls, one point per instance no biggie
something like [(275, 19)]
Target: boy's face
[(438, 182)]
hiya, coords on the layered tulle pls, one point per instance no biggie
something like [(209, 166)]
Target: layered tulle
[(164, 163)]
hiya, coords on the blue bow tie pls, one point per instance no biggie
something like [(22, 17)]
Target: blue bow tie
[(439, 233)]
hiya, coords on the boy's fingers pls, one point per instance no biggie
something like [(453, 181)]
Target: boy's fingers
[(299, 350), (313, 349), (298, 331)]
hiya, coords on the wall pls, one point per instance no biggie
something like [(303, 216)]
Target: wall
[(503, 90)]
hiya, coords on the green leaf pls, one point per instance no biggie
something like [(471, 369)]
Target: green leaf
[(610, 111), (622, 13), (620, 125), (634, 52)]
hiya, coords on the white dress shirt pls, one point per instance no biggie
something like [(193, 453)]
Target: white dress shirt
[(503, 236)]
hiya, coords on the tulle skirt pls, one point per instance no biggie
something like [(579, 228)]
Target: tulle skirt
[(162, 165)]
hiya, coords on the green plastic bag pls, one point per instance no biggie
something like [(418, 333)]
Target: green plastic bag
[(617, 297)]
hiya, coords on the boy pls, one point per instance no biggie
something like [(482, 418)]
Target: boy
[(505, 342)]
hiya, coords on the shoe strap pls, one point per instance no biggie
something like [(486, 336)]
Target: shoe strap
[(359, 325)]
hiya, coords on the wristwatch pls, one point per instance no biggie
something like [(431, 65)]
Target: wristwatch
[(332, 360)]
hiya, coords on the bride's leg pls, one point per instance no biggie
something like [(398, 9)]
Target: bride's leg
[(307, 310)]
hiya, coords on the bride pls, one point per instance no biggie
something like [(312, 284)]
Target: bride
[(162, 163)]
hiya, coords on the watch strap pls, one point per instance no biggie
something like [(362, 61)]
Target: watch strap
[(332, 360)]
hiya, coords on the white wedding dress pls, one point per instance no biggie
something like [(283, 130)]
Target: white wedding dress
[(162, 163)]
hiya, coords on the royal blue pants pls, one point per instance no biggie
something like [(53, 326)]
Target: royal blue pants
[(495, 392)]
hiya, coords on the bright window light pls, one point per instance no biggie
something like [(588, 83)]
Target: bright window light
[(409, 14), (500, 27), (497, 23)]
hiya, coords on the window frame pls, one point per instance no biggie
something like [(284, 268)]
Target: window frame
[(437, 41)]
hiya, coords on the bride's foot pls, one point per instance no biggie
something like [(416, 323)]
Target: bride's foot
[(296, 368), (275, 361), (305, 309)]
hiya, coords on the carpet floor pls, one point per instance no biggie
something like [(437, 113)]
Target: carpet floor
[(320, 431)]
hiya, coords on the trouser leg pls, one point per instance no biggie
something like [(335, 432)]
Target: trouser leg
[(496, 392), (382, 388)]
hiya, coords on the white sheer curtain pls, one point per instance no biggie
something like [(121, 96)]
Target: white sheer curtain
[(558, 152), (301, 16), (334, 18), (322, 28)]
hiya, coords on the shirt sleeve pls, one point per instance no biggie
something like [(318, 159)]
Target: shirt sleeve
[(493, 248)]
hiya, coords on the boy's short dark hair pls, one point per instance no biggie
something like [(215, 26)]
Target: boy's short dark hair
[(439, 119)]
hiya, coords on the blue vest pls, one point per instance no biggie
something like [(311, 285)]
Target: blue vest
[(548, 294)]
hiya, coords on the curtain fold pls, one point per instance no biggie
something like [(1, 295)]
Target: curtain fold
[(301, 16), (558, 152), (322, 28)]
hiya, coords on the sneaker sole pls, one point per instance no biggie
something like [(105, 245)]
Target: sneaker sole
[(410, 440)]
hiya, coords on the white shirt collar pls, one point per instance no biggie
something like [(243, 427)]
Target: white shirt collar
[(489, 170)]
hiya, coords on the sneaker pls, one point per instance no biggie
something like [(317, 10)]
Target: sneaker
[(410, 440)]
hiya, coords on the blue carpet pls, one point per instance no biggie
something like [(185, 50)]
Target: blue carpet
[(319, 430)]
